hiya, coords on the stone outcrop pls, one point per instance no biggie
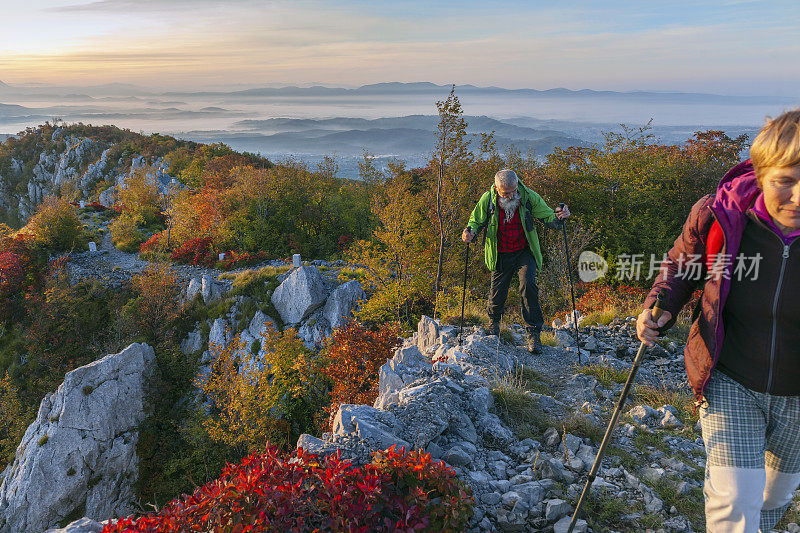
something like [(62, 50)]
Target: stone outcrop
[(435, 395), (83, 525), (341, 302), (207, 287), (80, 452), (300, 294)]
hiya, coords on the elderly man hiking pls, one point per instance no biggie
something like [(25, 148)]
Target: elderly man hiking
[(507, 211)]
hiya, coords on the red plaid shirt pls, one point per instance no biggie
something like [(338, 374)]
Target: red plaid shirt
[(510, 235)]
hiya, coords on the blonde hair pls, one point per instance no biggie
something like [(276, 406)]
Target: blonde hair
[(778, 143)]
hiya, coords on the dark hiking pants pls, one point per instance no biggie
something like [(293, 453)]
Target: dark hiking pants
[(523, 264)]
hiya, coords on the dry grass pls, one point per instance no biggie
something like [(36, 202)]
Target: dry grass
[(658, 396), (516, 407), (603, 317), (549, 339), (606, 375)]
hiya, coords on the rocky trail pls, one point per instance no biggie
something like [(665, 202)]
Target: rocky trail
[(520, 430)]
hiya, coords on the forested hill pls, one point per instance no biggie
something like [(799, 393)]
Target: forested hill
[(81, 162)]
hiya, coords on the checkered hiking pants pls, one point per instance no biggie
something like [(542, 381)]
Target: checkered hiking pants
[(752, 456)]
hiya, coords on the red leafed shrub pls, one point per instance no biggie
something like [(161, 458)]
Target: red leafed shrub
[(600, 296), (97, 206), (355, 355), (150, 244), (21, 270), (344, 242), (234, 259), (195, 252), (399, 491)]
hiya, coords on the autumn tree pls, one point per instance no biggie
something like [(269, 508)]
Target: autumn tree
[(354, 356), (56, 226), (272, 396), (397, 271), (451, 157)]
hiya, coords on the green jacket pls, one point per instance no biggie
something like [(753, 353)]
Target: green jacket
[(531, 206)]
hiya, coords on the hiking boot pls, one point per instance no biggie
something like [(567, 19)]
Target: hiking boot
[(534, 342), (494, 329)]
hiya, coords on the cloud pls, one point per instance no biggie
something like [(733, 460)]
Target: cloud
[(352, 42)]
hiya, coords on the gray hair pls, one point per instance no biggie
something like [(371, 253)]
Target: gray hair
[(506, 178)]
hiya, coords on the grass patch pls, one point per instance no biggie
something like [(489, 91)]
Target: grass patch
[(579, 425), (792, 514), (549, 339), (679, 332), (605, 374), (602, 317), (658, 396), (506, 336), (258, 284), (254, 282), (691, 505), (43, 440), (602, 511), (519, 411), (346, 274), (523, 378), (642, 440), (626, 458)]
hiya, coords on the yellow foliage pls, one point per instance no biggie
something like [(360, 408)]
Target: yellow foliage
[(272, 397), (125, 232), (13, 420), (140, 198), (55, 224)]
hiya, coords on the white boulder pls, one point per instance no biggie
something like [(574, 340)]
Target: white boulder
[(341, 302), (300, 294), (80, 452)]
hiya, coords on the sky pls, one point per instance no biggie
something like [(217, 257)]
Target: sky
[(725, 47)]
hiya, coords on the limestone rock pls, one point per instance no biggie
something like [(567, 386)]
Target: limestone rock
[(192, 343), (80, 452), (339, 306), (219, 337), (300, 294), (210, 289), (556, 508), (194, 288), (563, 525), (82, 525), (259, 325), (427, 333)]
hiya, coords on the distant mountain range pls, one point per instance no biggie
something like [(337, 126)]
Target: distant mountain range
[(412, 135), (397, 88)]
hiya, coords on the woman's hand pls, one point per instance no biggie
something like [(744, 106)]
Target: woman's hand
[(647, 328)]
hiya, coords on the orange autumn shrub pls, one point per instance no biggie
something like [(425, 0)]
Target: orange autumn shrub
[(355, 355)]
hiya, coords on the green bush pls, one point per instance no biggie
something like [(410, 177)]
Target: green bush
[(125, 233), (56, 226)]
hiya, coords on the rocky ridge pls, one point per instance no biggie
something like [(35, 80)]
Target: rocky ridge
[(436, 395)]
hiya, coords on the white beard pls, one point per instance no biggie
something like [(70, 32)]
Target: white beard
[(509, 205)]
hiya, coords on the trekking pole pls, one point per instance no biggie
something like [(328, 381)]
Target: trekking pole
[(655, 314), (571, 287), (464, 294)]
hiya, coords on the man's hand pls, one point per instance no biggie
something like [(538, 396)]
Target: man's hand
[(562, 211), (467, 235), (646, 327)]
